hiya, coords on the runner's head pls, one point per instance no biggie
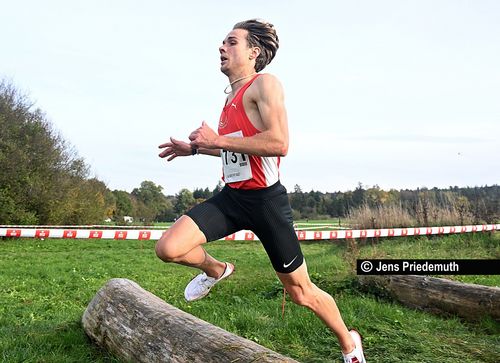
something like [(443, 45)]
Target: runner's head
[(249, 47), (262, 35)]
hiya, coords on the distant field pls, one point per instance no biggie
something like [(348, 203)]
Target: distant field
[(302, 222), (46, 285)]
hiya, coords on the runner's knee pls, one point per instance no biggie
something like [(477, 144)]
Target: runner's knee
[(303, 295), (166, 249)]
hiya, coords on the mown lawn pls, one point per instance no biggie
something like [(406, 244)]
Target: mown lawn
[(46, 285)]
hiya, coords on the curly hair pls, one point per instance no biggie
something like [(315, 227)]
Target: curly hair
[(263, 35)]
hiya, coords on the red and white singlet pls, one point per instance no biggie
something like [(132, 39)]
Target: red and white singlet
[(242, 171)]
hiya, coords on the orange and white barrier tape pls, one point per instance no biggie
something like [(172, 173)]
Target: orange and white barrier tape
[(154, 234), (92, 226)]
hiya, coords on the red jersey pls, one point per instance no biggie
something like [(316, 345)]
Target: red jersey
[(242, 171)]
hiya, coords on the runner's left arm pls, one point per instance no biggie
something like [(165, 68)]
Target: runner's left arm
[(175, 148)]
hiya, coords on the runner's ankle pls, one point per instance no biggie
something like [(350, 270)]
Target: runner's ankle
[(217, 271), (349, 346)]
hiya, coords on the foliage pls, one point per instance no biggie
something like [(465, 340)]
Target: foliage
[(43, 181), (123, 204), (184, 200), (150, 202), (202, 194), (218, 187)]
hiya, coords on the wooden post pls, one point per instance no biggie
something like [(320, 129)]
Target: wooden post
[(138, 326), (468, 301)]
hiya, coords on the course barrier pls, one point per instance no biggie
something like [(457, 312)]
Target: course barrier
[(303, 235)]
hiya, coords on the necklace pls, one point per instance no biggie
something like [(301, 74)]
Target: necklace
[(233, 82)]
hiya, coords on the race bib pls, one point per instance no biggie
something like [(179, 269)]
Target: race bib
[(236, 166)]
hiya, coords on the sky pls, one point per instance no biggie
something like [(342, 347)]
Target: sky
[(399, 94)]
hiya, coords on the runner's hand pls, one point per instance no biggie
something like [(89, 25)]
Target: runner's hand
[(174, 148), (204, 137)]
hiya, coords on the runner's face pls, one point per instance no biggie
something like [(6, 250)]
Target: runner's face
[(234, 52)]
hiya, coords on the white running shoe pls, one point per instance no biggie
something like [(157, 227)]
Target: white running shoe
[(200, 286), (357, 355)]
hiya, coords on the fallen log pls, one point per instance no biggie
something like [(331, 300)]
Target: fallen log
[(469, 301), (138, 326)]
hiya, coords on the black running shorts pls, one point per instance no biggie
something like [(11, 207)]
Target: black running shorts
[(266, 212)]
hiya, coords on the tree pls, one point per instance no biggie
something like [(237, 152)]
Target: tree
[(183, 201), (42, 180), (218, 187), (202, 194), (123, 203), (358, 196), (154, 202), (168, 213), (297, 199)]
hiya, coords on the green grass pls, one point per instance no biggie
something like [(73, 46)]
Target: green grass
[(46, 285)]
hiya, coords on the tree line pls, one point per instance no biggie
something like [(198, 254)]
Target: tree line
[(423, 206), (44, 181)]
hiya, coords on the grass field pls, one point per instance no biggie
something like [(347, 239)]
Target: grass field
[(46, 285)]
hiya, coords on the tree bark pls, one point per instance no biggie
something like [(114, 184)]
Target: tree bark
[(138, 326), (469, 301)]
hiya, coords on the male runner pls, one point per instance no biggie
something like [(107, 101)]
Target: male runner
[(252, 136)]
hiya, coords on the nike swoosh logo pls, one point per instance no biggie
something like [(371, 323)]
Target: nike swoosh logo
[(285, 265)]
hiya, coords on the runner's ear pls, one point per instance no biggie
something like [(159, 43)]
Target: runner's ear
[(255, 53)]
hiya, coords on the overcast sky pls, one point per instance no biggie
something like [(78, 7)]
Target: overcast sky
[(400, 94)]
